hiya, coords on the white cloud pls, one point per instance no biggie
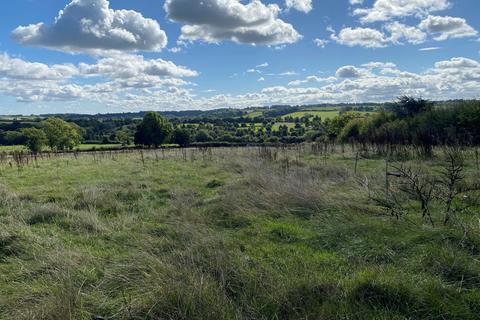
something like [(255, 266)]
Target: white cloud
[(348, 72), (458, 63), (384, 10), (310, 79), (378, 65), (447, 27), (175, 50), (14, 68), (132, 66), (91, 26), (374, 81), (365, 37), (300, 5), (429, 49), (399, 32), (263, 65), (35, 82), (213, 21), (355, 2), (320, 42), (261, 79), (287, 74)]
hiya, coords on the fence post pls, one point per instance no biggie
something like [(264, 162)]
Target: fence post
[(356, 162), (387, 182)]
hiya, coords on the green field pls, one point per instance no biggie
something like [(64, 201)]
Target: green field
[(254, 114), (330, 114), (80, 147), (277, 125), (98, 146), (12, 148), (241, 233)]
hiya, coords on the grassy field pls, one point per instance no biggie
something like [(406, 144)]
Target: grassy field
[(330, 114), (254, 114), (226, 234), (276, 126), (13, 148), (80, 147)]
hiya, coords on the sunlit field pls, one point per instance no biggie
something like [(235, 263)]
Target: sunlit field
[(240, 233)]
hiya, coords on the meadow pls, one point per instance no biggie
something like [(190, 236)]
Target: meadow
[(235, 233), (81, 147), (323, 114)]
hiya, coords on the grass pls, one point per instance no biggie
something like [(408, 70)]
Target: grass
[(276, 126), (327, 114), (13, 148), (255, 114), (80, 147), (227, 234), (99, 146)]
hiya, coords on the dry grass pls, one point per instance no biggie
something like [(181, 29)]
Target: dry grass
[(232, 234)]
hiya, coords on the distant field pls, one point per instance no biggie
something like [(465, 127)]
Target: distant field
[(330, 114), (277, 125), (80, 147), (255, 114), (12, 148), (98, 146)]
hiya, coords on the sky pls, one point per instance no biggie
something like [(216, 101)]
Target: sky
[(101, 56)]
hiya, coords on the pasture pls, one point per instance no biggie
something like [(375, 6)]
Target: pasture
[(239, 233), (81, 147), (323, 114)]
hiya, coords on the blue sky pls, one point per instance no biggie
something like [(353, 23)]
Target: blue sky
[(123, 55)]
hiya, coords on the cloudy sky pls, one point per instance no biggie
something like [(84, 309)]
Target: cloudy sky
[(89, 56)]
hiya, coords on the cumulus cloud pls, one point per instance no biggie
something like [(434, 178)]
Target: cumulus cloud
[(384, 10), (300, 5), (213, 21), (396, 33), (458, 77), (311, 79), (18, 69), (108, 78), (458, 63), (132, 66), (90, 25), (365, 37), (454, 78), (399, 32), (348, 72), (447, 27)]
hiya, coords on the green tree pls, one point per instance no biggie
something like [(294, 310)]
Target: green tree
[(36, 139), (61, 135), (153, 130), (124, 136), (181, 137), (203, 136), (410, 107)]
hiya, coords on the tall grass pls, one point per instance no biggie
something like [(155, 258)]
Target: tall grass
[(245, 233)]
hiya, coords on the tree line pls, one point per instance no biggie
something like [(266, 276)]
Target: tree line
[(414, 122), (407, 122)]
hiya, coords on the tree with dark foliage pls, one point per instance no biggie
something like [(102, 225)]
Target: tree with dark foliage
[(407, 107), (181, 137), (154, 130)]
